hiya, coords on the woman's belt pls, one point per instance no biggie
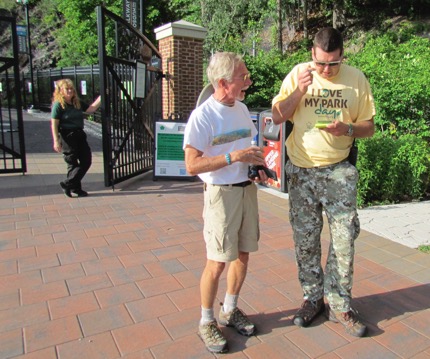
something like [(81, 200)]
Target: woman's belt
[(71, 129)]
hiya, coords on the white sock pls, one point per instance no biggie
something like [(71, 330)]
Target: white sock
[(230, 302), (207, 316)]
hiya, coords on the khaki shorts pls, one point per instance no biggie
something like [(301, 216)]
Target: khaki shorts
[(231, 223)]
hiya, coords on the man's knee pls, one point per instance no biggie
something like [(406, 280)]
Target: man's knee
[(243, 257), (214, 268)]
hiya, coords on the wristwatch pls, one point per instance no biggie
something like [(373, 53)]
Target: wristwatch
[(350, 131)]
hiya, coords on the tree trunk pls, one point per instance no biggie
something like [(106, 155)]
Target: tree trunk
[(339, 19), (280, 40), (305, 19)]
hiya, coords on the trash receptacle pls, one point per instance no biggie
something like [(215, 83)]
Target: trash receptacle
[(273, 143), (256, 119)]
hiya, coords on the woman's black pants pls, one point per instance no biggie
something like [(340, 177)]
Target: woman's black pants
[(77, 155)]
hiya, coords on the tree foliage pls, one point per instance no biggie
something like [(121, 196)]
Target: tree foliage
[(268, 69), (398, 73), (370, 12), (229, 22), (73, 24), (235, 25), (80, 19), (6, 5)]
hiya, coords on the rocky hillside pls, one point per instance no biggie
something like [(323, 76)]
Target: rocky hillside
[(44, 47)]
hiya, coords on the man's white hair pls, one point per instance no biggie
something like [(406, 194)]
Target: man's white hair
[(222, 66)]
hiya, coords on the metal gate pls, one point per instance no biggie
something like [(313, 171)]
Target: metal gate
[(130, 85), (12, 147)]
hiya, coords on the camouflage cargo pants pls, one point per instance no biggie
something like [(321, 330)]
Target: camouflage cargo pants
[(334, 190)]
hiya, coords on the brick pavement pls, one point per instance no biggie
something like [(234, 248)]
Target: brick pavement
[(116, 275)]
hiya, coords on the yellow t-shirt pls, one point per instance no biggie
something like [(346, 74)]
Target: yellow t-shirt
[(347, 97)]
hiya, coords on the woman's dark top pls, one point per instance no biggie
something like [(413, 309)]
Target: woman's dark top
[(70, 117)]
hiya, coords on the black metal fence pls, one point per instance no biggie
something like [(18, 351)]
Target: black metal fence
[(85, 78), (12, 148)]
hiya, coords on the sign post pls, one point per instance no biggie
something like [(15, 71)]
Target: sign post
[(30, 55)]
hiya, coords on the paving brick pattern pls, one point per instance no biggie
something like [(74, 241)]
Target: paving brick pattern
[(116, 275)]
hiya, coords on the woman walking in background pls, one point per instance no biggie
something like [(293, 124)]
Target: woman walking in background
[(67, 125)]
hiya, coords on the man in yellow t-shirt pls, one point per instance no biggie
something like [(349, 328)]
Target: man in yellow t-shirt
[(330, 104)]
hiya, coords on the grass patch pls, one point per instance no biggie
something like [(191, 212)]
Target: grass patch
[(424, 249)]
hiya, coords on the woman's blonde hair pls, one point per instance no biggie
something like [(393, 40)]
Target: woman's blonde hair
[(58, 96)]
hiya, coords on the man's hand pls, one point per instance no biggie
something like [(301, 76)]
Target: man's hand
[(336, 128), (305, 79), (252, 155), (262, 177)]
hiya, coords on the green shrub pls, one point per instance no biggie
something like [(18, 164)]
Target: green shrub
[(399, 76), (392, 170), (268, 70)]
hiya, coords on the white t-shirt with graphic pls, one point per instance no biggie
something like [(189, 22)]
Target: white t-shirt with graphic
[(217, 129), (347, 97)]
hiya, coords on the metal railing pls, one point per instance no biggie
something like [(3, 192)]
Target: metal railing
[(130, 74), (12, 147), (85, 78)]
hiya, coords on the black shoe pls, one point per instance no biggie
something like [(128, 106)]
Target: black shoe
[(80, 192), (66, 190), (308, 312)]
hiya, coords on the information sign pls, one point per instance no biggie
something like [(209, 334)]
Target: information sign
[(83, 88), (169, 155), (21, 31), (140, 80)]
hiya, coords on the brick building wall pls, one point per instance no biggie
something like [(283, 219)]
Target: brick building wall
[(181, 48)]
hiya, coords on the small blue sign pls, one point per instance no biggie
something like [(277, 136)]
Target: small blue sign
[(21, 30)]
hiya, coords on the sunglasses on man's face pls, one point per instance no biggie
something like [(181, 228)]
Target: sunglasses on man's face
[(244, 77), (329, 63)]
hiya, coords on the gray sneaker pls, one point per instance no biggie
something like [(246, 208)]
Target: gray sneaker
[(213, 338), (237, 319)]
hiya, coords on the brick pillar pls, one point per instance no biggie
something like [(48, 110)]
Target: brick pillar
[(181, 46)]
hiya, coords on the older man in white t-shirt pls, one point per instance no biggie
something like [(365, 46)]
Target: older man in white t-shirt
[(217, 144)]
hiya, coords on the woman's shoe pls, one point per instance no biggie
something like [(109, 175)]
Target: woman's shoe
[(80, 192), (66, 190)]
